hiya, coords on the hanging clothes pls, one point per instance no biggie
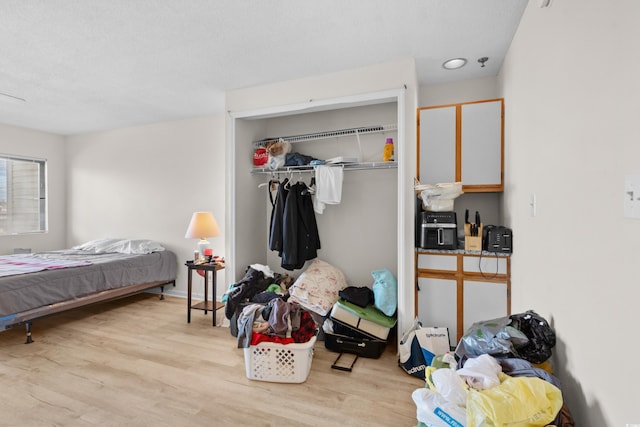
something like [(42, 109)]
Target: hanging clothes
[(300, 238), (277, 217), (328, 186)]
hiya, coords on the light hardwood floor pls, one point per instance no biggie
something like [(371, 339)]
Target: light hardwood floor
[(137, 362)]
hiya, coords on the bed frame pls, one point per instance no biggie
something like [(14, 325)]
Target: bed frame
[(26, 317), (108, 275)]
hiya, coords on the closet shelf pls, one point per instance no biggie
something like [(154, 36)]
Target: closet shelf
[(346, 166), (329, 134)]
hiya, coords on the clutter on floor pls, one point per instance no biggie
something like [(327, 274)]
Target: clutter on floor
[(499, 374), (277, 335), (362, 318), (276, 318)]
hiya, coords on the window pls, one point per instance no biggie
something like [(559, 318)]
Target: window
[(23, 195)]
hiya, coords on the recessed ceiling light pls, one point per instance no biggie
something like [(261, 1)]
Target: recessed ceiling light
[(454, 64)]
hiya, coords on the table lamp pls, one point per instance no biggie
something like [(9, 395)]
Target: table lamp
[(202, 225)]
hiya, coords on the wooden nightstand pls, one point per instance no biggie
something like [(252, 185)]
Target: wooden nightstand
[(205, 305)]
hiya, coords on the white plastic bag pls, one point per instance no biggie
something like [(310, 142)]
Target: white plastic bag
[(440, 197), (434, 410), (481, 372), (418, 347), (448, 383)]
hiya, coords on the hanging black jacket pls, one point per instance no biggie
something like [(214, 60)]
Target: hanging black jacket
[(277, 218), (300, 239)]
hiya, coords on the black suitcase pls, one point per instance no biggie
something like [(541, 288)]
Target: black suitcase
[(346, 339)]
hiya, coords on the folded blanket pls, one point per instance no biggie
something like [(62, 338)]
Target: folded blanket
[(11, 265)]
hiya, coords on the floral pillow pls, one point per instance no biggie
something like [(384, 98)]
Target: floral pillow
[(317, 288)]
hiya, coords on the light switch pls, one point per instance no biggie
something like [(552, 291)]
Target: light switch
[(533, 204), (632, 196)]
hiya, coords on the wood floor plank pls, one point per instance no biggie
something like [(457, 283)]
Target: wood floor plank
[(137, 362)]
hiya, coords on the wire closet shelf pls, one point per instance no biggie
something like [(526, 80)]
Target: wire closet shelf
[(328, 134), (356, 131)]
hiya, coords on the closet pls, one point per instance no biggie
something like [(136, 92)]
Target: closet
[(359, 235)]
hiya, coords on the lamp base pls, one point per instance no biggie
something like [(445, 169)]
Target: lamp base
[(204, 249)]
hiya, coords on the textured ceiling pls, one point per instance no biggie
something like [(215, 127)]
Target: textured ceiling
[(88, 65)]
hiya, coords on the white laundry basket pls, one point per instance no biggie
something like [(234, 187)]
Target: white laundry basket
[(280, 363)]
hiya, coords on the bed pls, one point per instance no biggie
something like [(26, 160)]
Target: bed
[(36, 285)]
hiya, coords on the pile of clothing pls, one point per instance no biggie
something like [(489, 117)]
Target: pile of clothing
[(277, 321), (259, 284), (258, 309)]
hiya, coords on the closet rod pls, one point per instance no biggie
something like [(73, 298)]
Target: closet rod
[(329, 134)]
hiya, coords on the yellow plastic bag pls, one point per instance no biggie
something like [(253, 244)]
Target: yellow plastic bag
[(516, 402)]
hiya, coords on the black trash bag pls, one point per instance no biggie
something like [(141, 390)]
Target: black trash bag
[(541, 336)]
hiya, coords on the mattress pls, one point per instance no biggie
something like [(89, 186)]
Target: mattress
[(368, 319), (107, 271)]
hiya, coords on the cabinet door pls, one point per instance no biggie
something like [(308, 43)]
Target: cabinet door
[(488, 265), (437, 304), (482, 144), (437, 145), (483, 301), (448, 263)]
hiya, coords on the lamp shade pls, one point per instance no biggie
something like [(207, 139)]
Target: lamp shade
[(202, 225)]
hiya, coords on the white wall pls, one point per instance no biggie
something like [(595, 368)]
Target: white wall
[(145, 182), (30, 143), (571, 81), (453, 93)]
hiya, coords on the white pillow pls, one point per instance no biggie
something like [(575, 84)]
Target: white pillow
[(95, 245), (317, 287), (123, 246)]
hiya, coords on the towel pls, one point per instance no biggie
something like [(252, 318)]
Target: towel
[(328, 187)]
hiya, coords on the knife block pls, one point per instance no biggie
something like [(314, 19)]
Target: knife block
[(472, 243)]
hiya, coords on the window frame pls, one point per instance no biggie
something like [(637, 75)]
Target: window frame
[(8, 228)]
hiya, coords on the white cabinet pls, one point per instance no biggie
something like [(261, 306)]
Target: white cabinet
[(437, 304), (483, 301), (437, 145), (463, 143), (481, 137), (456, 289)]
